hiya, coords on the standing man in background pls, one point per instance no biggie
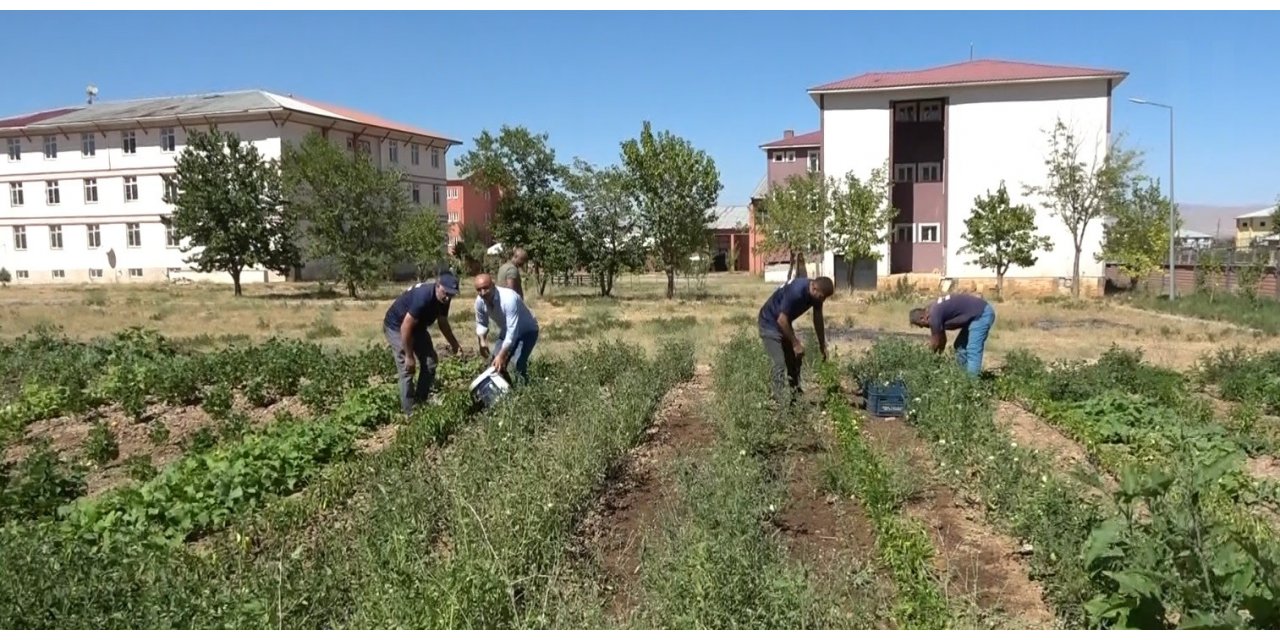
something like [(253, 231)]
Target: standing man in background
[(406, 325), (517, 329), (972, 315), (777, 329), (509, 272)]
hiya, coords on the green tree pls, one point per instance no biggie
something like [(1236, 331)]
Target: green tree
[(352, 210), (792, 216), (1079, 191), (1000, 235), (226, 202), (1209, 272), (532, 212), (609, 224), (1138, 237), (1275, 215), (861, 212), (423, 238), (674, 186)]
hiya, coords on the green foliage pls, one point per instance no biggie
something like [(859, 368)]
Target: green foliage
[(673, 185), (5, 277), (1000, 235), (423, 237), (38, 484), (227, 201), (611, 239), (1082, 180), (1138, 236), (101, 446), (861, 212), (792, 217), (1244, 375), (1259, 314), (352, 211), (1249, 274)]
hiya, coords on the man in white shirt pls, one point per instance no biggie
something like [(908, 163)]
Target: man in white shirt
[(517, 329)]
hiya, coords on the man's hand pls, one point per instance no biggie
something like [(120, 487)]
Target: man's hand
[(455, 349), (410, 363), (484, 352), (500, 362), (798, 348)]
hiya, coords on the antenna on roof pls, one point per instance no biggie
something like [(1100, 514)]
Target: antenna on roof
[(91, 92), (970, 52)]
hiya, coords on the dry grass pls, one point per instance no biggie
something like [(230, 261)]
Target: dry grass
[(727, 303)]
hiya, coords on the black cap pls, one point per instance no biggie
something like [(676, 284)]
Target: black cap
[(449, 282)]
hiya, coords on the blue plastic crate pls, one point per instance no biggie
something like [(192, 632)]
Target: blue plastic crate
[(885, 400)]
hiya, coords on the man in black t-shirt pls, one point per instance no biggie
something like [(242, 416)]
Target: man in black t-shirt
[(780, 311), (972, 315), (406, 326)]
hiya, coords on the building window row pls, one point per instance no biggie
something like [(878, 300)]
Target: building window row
[(906, 172), (61, 274), (784, 156), (168, 138), (93, 236), (923, 232), (921, 111), (89, 189)]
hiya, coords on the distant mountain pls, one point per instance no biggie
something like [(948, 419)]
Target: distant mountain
[(1217, 220)]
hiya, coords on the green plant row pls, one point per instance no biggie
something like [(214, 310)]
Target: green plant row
[(1183, 548), (1244, 375), (956, 415), (902, 542), (717, 562)]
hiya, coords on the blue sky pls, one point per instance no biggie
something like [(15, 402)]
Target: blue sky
[(726, 81)]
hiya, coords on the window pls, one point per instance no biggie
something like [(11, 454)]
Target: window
[(930, 172), (363, 145), (904, 112), (15, 194), (95, 236), (129, 142), (135, 273), (52, 195), (454, 216), (929, 232), (170, 236), (15, 149), (20, 237), (791, 156), (815, 161), (130, 188), (417, 196), (435, 194), (778, 156), (90, 190), (59, 274), (50, 147), (133, 231), (168, 139), (95, 273), (931, 111), (393, 151), (451, 193), (903, 233), (88, 145), (170, 189), (23, 274), (55, 236), (904, 173), (435, 158)]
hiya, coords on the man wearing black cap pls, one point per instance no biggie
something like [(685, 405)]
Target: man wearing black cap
[(406, 324)]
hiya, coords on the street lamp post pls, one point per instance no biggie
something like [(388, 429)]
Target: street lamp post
[(1173, 218)]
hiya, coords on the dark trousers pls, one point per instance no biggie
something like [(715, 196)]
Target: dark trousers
[(786, 367), (425, 353)]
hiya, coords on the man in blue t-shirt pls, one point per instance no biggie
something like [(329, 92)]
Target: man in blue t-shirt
[(406, 325), (972, 315), (777, 316)]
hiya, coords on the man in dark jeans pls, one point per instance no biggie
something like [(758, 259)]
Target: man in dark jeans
[(780, 311), (972, 315), (406, 326)]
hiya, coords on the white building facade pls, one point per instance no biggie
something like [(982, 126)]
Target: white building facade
[(950, 134), (83, 187)]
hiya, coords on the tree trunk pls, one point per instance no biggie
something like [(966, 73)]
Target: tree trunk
[(351, 289), (791, 265), (1000, 285), (671, 283), (542, 281), (235, 280), (1075, 274), (802, 269)]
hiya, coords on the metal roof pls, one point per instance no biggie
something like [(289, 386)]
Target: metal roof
[(730, 217), (811, 139), (962, 73), (1261, 213), (204, 105)]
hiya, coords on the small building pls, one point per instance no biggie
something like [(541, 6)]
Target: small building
[(467, 205), (731, 248), (1190, 239), (1254, 226)]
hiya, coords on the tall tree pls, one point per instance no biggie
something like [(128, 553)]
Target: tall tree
[(423, 238), (227, 206), (1000, 235), (1275, 215), (1080, 185), (352, 210), (611, 241), (674, 186), (532, 212), (861, 213), (1138, 236), (792, 216)]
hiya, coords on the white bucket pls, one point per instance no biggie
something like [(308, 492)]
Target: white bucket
[(488, 387)]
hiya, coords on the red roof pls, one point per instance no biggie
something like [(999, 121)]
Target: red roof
[(811, 139), (32, 118), (970, 72), (371, 120)]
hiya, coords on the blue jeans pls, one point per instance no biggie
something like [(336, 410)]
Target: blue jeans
[(972, 341), (425, 353), (521, 348)]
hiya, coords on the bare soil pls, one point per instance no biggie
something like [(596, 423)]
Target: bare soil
[(644, 486), (979, 563), (1064, 454)]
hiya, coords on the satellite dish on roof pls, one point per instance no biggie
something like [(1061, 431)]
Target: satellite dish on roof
[(91, 92)]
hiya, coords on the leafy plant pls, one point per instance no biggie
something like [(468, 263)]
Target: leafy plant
[(101, 445)]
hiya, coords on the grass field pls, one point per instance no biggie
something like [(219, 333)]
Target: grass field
[(176, 457)]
